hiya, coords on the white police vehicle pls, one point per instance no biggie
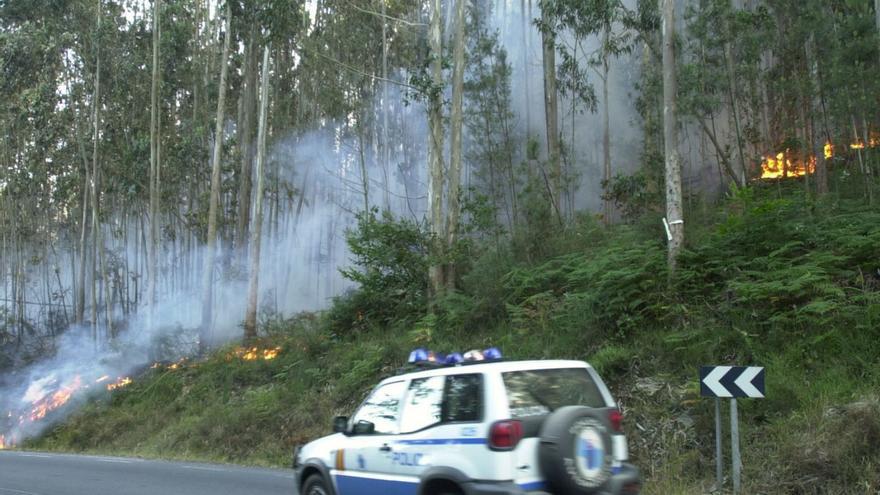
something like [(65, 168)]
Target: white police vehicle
[(476, 425)]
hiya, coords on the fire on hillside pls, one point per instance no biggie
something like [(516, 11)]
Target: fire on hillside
[(789, 164), (43, 397)]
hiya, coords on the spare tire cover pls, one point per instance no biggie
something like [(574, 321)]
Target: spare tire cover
[(575, 453)]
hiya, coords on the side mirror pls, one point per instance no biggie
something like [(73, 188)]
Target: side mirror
[(340, 424), (363, 428)]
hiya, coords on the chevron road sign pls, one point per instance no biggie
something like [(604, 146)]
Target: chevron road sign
[(732, 381)]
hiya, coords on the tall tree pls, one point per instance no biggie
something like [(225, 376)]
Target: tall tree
[(250, 319), (249, 96), (152, 252), (455, 145), (205, 335), (551, 105), (674, 215), (435, 145)]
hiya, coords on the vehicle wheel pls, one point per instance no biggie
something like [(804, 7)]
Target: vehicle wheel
[(575, 453), (315, 485)]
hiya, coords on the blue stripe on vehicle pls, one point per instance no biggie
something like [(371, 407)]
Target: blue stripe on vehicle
[(445, 441), (356, 485), (535, 485)]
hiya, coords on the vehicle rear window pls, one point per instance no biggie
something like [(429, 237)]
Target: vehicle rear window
[(537, 392)]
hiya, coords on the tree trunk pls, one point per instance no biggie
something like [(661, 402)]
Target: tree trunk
[(455, 143), (819, 139), (731, 91), (386, 148), (606, 126), (877, 18), (250, 320), (674, 215), (205, 334), (152, 254), (435, 124), (81, 284), (551, 110), (246, 137)]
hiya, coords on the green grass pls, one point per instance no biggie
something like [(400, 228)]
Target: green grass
[(773, 279)]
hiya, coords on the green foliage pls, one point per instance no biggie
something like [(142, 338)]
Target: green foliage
[(390, 258), (632, 195)]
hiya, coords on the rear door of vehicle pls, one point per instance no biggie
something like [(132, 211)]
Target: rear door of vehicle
[(531, 396)]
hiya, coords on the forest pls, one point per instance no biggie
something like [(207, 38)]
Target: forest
[(179, 175)]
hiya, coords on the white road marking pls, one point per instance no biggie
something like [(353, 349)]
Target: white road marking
[(203, 468), (17, 492), (41, 456), (110, 459)]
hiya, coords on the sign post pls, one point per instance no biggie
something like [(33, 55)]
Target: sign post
[(730, 382), (719, 457)]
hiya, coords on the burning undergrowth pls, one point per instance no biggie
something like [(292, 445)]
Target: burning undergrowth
[(39, 403), (789, 163)]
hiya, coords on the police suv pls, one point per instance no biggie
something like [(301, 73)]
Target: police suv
[(473, 425)]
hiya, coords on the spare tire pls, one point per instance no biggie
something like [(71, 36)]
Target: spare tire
[(575, 453)]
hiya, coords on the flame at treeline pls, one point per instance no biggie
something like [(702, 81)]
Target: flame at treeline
[(785, 164)]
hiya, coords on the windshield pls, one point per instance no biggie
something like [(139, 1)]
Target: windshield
[(537, 392)]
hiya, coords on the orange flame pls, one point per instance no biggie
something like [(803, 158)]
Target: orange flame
[(783, 166), (49, 403), (120, 382), (2, 442), (829, 150), (254, 353)]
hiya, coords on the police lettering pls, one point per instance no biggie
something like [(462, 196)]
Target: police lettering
[(405, 459)]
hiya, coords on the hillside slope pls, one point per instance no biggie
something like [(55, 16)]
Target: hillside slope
[(776, 280)]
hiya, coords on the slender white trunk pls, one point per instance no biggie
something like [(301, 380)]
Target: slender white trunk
[(455, 143), (435, 123), (674, 214), (152, 253), (205, 335), (250, 320)]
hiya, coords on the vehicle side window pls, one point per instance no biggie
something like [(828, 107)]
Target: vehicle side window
[(382, 408), (464, 398), (423, 402)]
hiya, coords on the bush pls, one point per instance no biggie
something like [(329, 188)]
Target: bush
[(391, 269)]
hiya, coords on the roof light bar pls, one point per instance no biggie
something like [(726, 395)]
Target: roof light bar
[(424, 356)]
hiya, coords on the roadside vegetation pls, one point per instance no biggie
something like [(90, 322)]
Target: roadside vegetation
[(773, 278)]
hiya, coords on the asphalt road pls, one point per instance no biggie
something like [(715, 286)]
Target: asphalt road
[(33, 473)]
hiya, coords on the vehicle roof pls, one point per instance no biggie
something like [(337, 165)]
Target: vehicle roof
[(493, 366)]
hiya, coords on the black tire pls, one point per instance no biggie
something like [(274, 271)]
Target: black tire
[(315, 485), (575, 453)]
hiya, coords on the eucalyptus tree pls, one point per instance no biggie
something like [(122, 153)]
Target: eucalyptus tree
[(435, 143), (250, 319), (214, 197), (674, 214), (456, 124)]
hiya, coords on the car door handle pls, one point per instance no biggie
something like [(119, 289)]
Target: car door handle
[(385, 448)]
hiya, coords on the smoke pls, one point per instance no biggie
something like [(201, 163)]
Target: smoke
[(317, 181)]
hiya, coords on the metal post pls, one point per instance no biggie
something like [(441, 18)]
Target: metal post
[(734, 446), (719, 460)]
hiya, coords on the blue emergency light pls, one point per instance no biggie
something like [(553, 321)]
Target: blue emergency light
[(425, 356)]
